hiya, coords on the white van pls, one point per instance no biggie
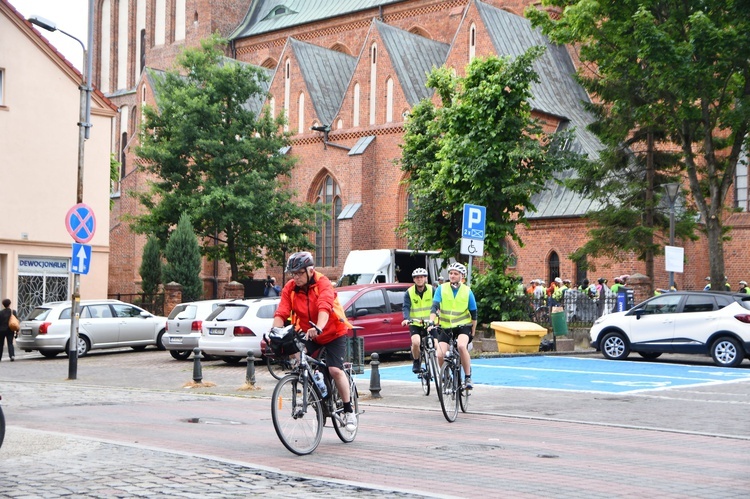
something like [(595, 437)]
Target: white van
[(388, 265)]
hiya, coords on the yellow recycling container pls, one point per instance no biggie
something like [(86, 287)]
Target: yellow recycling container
[(518, 336)]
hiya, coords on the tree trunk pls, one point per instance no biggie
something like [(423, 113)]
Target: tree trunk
[(715, 253), (649, 219)]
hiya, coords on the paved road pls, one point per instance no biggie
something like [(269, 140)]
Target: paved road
[(127, 427)]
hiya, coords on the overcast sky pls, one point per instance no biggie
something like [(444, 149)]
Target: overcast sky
[(70, 16)]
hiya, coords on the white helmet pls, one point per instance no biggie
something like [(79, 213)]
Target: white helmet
[(419, 272), (457, 267)]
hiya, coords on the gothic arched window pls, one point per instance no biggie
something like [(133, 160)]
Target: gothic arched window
[(327, 236)]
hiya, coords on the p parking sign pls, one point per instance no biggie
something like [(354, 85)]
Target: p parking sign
[(474, 222)]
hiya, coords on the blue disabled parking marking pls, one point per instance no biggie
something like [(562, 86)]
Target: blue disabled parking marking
[(580, 374)]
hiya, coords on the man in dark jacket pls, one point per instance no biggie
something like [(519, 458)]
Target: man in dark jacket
[(5, 333)]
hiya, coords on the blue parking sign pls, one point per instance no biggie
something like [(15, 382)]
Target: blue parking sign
[(474, 222)]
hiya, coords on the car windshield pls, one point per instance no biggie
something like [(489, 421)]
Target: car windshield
[(352, 279), (744, 301), (228, 312), (176, 311), (345, 296), (39, 314)]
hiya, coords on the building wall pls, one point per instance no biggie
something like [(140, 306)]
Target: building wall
[(39, 140), (371, 178)]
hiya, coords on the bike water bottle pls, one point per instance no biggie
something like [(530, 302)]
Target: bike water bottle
[(321, 382)]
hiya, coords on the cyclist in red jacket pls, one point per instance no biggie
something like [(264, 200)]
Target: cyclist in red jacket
[(309, 296)]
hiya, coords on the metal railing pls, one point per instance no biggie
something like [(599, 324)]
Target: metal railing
[(580, 309), (153, 303)]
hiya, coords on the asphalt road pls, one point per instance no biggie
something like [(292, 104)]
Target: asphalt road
[(131, 425)]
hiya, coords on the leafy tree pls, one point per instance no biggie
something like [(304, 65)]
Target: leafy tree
[(114, 174), (482, 146), (151, 267), (686, 64), (184, 260), (220, 162)]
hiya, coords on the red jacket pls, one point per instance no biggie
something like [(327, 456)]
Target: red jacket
[(308, 303)]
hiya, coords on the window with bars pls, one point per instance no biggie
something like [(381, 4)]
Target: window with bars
[(327, 236), (553, 264)]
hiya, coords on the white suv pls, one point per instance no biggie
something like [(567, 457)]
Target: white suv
[(237, 327), (184, 326), (102, 324)]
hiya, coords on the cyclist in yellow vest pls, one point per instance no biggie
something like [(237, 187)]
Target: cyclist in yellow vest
[(417, 304), (458, 316)]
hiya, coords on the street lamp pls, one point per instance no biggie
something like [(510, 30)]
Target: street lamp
[(284, 239), (84, 123), (672, 189)]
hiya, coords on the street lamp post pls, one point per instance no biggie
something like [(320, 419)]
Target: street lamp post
[(672, 190), (84, 124), (284, 239)]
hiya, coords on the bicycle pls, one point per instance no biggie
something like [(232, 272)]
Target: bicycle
[(427, 357), (454, 393), (299, 408)]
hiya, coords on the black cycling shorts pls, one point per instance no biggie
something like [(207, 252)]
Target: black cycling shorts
[(447, 333), (334, 353)]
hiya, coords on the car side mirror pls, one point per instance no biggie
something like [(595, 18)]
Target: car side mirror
[(145, 314), (360, 312), (638, 314)]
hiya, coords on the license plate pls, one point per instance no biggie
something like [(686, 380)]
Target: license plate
[(26, 332), (216, 330), (176, 340)]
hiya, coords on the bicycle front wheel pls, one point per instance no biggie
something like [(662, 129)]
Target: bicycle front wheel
[(345, 435), (299, 427), (434, 372), (424, 375), (463, 396), (278, 366), (449, 402)]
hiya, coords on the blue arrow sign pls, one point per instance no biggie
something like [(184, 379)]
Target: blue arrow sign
[(81, 259), (474, 222)]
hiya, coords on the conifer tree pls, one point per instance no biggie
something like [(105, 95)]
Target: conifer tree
[(183, 257), (151, 268)]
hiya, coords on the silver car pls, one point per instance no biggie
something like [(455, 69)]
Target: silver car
[(184, 326), (102, 324), (237, 327)]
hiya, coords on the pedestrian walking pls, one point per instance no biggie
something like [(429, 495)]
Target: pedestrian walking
[(6, 333)]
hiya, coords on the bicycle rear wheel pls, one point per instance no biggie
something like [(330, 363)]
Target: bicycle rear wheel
[(464, 395), (424, 375), (345, 435), (299, 429), (449, 401)]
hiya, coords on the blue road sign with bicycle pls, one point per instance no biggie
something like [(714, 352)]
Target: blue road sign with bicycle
[(81, 223), (474, 222)]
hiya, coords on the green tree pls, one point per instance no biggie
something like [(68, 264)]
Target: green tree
[(220, 162), (481, 147), (151, 267), (184, 260), (686, 64)]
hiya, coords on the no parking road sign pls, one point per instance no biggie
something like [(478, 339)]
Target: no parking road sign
[(81, 223)]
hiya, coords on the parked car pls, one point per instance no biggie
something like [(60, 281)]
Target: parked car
[(378, 310), (237, 327), (102, 324), (184, 326), (692, 322)]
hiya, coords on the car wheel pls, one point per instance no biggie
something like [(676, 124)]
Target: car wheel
[(50, 354), (650, 355), (727, 352), (615, 346), (83, 347), (180, 354), (160, 340)]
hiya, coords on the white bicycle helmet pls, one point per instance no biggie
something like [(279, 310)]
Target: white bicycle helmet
[(419, 272), (457, 267)]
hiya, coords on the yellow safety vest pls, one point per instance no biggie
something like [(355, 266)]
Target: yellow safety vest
[(420, 307), (454, 310)]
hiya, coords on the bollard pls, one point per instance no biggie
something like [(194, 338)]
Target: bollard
[(250, 376), (375, 376), (197, 371)]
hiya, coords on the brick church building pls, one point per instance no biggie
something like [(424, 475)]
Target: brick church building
[(356, 67)]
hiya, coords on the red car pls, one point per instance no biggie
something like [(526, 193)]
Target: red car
[(377, 309)]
